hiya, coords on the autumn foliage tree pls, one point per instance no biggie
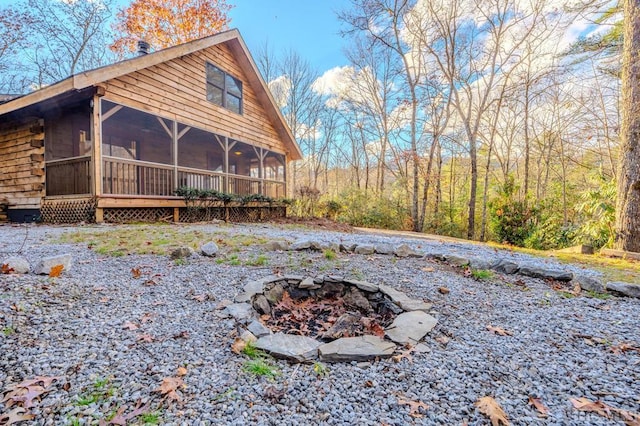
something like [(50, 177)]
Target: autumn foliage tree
[(165, 23)]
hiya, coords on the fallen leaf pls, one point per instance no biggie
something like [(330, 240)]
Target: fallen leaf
[(598, 407), (428, 269), (135, 272), (368, 384), (416, 408), (104, 299), (275, 394), (182, 335), (56, 271), (200, 297), (537, 403), (128, 325), (18, 414), (169, 386), (442, 340), (149, 283), (146, 337), (182, 371), (5, 269), (500, 331), (404, 355), (624, 347), (443, 290), (488, 406), (238, 345), (147, 317)]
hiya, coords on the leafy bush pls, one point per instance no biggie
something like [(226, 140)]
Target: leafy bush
[(597, 214), (512, 221), (361, 209)]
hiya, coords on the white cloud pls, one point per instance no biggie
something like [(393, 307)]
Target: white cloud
[(280, 88)]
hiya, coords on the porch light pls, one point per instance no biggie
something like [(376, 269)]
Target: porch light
[(237, 152)]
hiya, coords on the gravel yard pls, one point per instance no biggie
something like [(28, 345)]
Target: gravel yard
[(81, 327)]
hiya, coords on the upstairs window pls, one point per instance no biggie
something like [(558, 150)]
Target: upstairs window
[(223, 89)]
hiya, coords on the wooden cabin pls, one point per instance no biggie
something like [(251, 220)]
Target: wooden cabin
[(114, 143)]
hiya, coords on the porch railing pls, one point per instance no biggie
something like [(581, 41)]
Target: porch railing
[(69, 176), (133, 177)]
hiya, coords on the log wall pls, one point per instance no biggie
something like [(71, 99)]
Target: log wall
[(22, 163), (176, 89)]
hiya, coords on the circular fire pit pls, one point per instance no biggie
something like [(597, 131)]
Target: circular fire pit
[(329, 317)]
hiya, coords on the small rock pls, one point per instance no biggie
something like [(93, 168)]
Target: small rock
[(248, 336), (480, 264), (457, 260), (506, 267), (274, 294), (16, 265), (330, 289), (308, 284), (261, 304), (347, 248), (443, 290), (625, 289), (301, 245), (356, 299), (254, 287), (243, 297), (209, 249), (536, 272), (363, 285), (344, 326), (181, 253), (589, 284), (404, 250), (384, 249), (276, 246), (240, 311), (258, 329), (364, 249), (44, 266)]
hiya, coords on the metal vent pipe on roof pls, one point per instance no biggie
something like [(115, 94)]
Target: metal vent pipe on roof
[(143, 47)]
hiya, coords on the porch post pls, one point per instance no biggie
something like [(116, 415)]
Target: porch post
[(174, 136), (96, 153)]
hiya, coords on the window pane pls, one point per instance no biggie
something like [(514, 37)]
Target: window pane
[(214, 95), (234, 86), (215, 76), (233, 104)]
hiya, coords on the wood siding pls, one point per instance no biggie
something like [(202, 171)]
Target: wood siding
[(22, 163), (176, 89)]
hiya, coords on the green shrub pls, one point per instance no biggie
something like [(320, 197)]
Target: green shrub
[(512, 221)]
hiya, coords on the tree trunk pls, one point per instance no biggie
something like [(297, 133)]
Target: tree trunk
[(628, 203), (474, 186)]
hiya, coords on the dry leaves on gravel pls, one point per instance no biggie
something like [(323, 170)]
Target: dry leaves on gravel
[(604, 410), (488, 406), (55, 271), (416, 408), (499, 331), (169, 388), (538, 405), (5, 269), (22, 397)]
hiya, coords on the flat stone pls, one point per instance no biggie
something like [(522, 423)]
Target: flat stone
[(506, 267), (410, 327), (384, 249), (289, 346), (363, 285), (248, 336), (364, 249), (276, 246), (404, 301), (362, 348), (16, 264), (181, 253), (333, 279), (240, 311), (258, 329), (308, 284), (254, 287), (293, 279), (536, 272), (45, 264), (457, 260), (209, 249), (301, 245), (261, 304), (348, 247), (625, 289), (243, 297), (589, 283)]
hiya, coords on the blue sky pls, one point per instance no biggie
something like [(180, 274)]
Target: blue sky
[(310, 27)]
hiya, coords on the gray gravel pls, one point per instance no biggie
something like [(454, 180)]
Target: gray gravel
[(72, 326)]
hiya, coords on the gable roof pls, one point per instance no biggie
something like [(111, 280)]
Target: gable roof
[(96, 76)]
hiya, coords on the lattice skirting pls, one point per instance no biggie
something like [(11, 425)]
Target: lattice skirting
[(138, 214), (68, 211), (231, 214)]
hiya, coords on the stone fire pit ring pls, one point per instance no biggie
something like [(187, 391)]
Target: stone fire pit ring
[(411, 323)]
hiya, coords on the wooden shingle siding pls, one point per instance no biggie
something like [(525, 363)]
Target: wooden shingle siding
[(176, 89), (22, 163)]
